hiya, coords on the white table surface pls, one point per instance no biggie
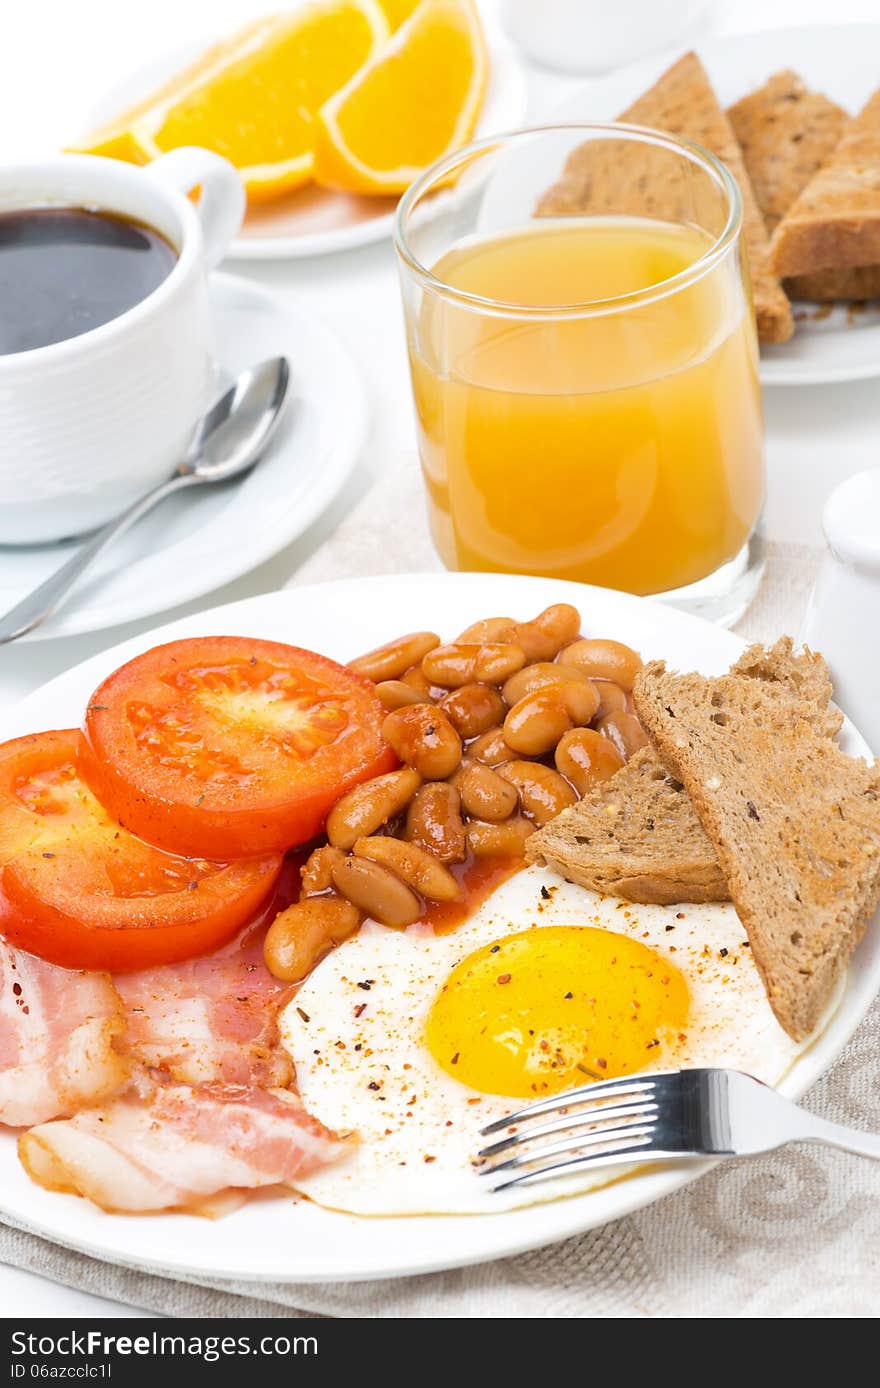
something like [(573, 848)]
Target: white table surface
[(56, 58)]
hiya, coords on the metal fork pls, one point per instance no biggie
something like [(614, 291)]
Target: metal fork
[(673, 1115)]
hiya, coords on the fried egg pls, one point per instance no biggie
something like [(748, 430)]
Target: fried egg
[(416, 1041)]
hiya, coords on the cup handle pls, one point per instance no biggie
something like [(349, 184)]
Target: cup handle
[(221, 203)]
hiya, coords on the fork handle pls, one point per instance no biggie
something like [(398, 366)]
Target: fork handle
[(846, 1139)]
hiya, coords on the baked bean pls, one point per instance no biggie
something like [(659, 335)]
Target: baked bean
[(537, 722), (604, 660), (423, 737), (416, 680), (585, 758), (484, 794), (303, 933), (315, 873), (625, 732), (543, 793), (362, 810), (492, 663), (489, 629), (377, 892), (390, 661), (612, 699), (420, 870), (552, 629), (505, 840), (474, 709), (434, 822), (538, 676), (394, 694), (491, 749)]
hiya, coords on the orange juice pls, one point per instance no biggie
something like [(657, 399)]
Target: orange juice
[(618, 443)]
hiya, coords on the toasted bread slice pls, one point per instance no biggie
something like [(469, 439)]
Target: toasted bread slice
[(786, 133), (794, 821), (835, 221), (801, 680), (859, 282), (683, 103), (638, 836)]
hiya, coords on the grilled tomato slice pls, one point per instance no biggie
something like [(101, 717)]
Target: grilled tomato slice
[(229, 746), (81, 891)]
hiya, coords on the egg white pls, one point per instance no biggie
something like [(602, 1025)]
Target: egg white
[(355, 1034)]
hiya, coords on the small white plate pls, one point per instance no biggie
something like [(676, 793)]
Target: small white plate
[(839, 60), (311, 220), (198, 540), (279, 1239)]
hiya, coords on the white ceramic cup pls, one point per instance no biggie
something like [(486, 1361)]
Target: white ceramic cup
[(593, 36), (88, 424)]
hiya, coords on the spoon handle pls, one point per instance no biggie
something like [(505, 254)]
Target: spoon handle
[(48, 597)]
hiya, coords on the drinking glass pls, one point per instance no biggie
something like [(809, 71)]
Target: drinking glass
[(584, 363)]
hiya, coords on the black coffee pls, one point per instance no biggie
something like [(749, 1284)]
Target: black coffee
[(64, 271)]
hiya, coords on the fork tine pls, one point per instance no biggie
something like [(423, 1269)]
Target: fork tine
[(631, 1130), (646, 1108), (615, 1157), (618, 1088)]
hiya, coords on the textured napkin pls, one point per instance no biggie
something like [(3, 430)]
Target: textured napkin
[(793, 1234)]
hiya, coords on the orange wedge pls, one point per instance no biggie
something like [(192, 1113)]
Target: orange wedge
[(253, 98), (416, 100), (117, 139)]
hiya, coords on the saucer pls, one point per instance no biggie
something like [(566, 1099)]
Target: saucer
[(200, 539)]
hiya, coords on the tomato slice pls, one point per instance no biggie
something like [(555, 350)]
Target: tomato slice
[(79, 890), (229, 746)]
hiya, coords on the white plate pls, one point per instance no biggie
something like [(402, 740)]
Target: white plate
[(198, 540), (842, 61), (312, 221), (278, 1238)]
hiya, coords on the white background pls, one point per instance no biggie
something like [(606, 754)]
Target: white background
[(58, 56)]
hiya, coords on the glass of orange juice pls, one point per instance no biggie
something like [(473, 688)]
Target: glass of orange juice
[(584, 363)]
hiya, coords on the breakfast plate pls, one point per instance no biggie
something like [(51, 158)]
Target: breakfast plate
[(312, 221), (197, 541), (831, 342), (283, 1239)]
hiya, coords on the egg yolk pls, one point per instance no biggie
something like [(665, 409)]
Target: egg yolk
[(550, 1008)]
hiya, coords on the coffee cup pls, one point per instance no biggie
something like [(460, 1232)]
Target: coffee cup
[(90, 422)]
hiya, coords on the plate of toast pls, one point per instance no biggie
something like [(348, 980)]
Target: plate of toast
[(795, 115)]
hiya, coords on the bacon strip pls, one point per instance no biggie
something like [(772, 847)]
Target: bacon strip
[(209, 1020), (58, 1029), (179, 1147)]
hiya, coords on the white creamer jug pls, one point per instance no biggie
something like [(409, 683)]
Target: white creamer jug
[(844, 610)]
